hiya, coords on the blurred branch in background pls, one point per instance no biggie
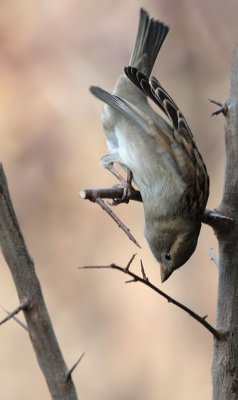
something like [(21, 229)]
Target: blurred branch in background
[(32, 303), (225, 360)]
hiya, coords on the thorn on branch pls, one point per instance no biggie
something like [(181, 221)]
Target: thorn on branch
[(223, 108), (130, 262), (131, 280), (70, 371), (143, 271), (12, 314)]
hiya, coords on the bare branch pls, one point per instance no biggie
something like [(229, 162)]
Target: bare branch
[(28, 287), (109, 193), (225, 361), (144, 280)]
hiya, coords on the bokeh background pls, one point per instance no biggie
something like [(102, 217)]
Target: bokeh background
[(137, 345)]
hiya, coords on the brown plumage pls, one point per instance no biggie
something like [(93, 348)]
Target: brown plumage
[(163, 157)]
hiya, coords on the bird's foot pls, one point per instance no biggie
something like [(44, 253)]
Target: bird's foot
[(127, 192), (126, 185)]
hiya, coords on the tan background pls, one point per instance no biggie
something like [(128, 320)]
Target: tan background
[(137, 345)]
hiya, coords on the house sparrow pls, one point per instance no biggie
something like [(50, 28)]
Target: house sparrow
[(162, 157)]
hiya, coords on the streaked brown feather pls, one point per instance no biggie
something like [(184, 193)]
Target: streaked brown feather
[(189, 161)]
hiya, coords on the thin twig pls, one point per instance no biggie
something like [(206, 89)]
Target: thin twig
[(145, 281), (120, 224), (69, 373), (12, 314)]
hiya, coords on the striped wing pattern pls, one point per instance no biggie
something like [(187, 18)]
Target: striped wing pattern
[(188, 159)]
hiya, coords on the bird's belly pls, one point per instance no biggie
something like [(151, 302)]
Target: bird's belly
[(139, 154)]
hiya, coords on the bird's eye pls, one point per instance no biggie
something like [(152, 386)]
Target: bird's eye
[(167, 257)]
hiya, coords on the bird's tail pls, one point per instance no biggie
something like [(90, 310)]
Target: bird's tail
[(150, 37)]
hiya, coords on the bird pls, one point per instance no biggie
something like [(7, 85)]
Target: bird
[(159, 154)]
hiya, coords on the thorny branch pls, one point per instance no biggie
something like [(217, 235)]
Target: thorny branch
[(145, 281), (225, 359), (29, 291)]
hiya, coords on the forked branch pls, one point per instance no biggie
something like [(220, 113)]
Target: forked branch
[(145, 281)]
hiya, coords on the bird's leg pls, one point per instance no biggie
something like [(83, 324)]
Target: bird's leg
[(117, 174), (125, 184), (127, 188)]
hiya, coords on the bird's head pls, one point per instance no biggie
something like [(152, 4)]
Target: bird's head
[(172, 241)]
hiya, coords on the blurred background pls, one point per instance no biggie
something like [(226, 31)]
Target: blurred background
[(137, 345)]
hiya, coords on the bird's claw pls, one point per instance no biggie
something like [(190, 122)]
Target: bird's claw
[(127, 191)]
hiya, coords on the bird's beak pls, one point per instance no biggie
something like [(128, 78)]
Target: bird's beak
[(164, 273)]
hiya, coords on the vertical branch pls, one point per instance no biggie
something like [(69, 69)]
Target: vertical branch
[(225, 361), (31, 299)]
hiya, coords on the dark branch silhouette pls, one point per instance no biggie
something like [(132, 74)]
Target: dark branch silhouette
[(145, 281)]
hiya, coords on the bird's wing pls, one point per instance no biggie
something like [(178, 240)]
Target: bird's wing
[(188, 159), (138, 117), (127, 109), (154, 90)]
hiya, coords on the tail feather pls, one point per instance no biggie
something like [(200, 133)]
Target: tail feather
[(150, 37)]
